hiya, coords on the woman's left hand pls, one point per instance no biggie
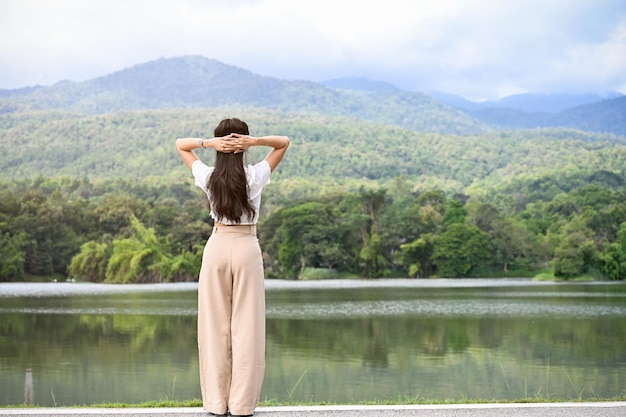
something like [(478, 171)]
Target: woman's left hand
[(241, 142), (226, 144)]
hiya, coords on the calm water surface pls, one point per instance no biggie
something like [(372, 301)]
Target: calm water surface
[(333, 341)]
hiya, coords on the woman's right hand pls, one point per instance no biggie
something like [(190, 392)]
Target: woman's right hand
[(227, 144), (242, 142)]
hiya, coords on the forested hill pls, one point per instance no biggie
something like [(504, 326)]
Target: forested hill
[(198, 82), (141, 144)]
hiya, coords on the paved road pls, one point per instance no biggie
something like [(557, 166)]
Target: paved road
[(595, 409)]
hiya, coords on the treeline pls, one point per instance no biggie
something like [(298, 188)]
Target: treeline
[(379, 233), (122, 231), (152, 229)]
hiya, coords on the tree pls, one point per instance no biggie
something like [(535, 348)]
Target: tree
[(417, 255), (91, 263), (455, 213), (613, 261), (138, 258), (575, 254), (304, 232), (512, 244), (483, 215), (613, 258), (114, 212), (372, 258), (459, 249), (12, 260), (185, 266)]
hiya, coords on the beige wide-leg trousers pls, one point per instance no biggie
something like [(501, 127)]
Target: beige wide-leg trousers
[(231, 321)]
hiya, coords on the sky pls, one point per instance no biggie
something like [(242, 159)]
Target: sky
[(478, 49)]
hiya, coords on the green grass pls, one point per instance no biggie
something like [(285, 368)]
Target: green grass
[(414, 400), (589, 277)]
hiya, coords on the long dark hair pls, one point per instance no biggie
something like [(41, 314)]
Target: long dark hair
[(228, 184)]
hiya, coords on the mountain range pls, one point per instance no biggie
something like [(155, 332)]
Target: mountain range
[(527, 102), (199, 82)]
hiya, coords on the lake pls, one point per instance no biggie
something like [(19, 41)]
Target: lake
[(338, 341)]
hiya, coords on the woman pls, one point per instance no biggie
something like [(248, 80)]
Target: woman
[(231, 288)]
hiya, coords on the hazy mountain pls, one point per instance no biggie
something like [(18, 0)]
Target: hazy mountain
[(590, 112), (455, 101), (529, 102), (18, 91), (550, 103), (506, 117), (360, 84), (198, 82), (606, 116)]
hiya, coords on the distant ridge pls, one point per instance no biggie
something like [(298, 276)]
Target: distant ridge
[(18, 91), (552, 103), (604, 116), (360, 84), (589, 112), (199, 82), (528, 102)]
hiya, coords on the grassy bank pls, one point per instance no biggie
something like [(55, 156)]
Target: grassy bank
[(416, 400)]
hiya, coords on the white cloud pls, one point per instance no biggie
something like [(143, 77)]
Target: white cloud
[(478, 48), (594, 65)]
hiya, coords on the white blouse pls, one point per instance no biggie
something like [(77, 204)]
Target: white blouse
[(258, 176)]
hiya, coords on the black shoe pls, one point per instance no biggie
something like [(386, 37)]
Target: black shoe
[(218, 415)]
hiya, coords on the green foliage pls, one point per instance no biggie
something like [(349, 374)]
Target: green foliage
[(459, 249), (13, 257), (308, 237), (455, 213), (513, 244), (368, 232), (574, 255), (91, 263), (372, 257), (324, 149), (613, 259), (417, 255), (138, 258), (47, 228), (319, 273), (106, 197)]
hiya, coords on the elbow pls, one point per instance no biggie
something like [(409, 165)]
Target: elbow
[(182, 145)]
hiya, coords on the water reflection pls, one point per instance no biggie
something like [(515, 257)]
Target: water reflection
[(28, 387), (338, 341)]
